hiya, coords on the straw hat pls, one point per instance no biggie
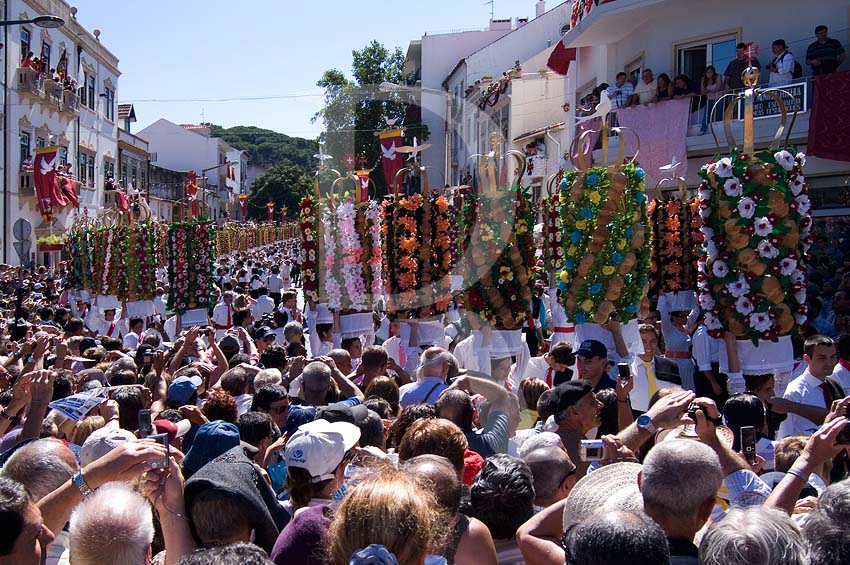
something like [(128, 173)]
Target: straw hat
[(612, 487)]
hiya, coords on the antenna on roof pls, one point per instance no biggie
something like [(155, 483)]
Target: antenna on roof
[(202, 116), (492, 8)]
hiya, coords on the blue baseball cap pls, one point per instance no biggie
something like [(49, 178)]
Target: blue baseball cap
[(182, 388), (211, 440), (299, 415)]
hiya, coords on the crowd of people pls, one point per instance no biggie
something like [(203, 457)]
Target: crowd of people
[(276, 434), (823, 56)]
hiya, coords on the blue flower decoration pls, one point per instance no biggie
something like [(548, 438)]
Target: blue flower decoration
[(592, 179), (564, 184), (569, 264), (629, 232), (585, 213), (562, 285), (580, 318), (374, 554), (640, 173), (640, 197), (617, 257), (595, 288), (575, 237), (633, 308)]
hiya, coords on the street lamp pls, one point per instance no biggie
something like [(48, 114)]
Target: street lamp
[(204, 176), (46, 21)]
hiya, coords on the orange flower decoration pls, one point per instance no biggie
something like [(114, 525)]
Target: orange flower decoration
[(673, 207), (442, 204), (409, 244), (412, 202), (673, 223)]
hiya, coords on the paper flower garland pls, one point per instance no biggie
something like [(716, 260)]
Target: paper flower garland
[(606, 244), (675, 244), (309, 248), (500, 243), (190, 265), (757, 222), (552, 233)]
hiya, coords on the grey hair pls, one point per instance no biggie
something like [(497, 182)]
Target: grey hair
[(39, 467), (267, 377), (538, 441), (679, 476), (113, 526), (826, 533), (433, 357), (291, 329), (549, 467), (753, 535)]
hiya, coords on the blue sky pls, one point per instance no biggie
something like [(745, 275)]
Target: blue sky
[(179, 52)]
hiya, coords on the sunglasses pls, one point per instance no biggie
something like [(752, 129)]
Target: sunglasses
[(568, 558)]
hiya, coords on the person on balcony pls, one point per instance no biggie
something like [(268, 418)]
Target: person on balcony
[(646, 88), (825, 54), (711, 88), (782, 67), (664, 89), (621, 91), (738, 65), (28, 60)]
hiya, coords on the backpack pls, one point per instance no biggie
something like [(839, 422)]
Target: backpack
[(797, 71)]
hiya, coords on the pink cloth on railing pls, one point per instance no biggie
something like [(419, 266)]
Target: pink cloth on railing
[(585, 148), (663, 129), (829, 126)]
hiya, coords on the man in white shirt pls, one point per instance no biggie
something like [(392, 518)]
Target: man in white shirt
[(264, 305), (222, 316), (107, 324), (842, 369), (645, 89), (275, 285), (557, 360), (812, 387), (473, 352), (782, 67), (289, 305), (131, 338), (650, 372)]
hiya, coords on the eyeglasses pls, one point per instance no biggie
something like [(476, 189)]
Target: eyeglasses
[(568, 558)]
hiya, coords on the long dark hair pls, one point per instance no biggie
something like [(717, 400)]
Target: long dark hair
[(704, 78)]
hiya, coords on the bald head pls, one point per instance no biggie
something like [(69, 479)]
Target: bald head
[(549, 467), (342, 358), (441, 476), (41, 466), (316, 381)]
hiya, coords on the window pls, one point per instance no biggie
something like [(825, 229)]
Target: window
[(108, 169), (81, 167), (45, 56), (124, 174), (90, 170), (39, 142), (25, 43), (693, 57), (109, 104), (134, 176), (144, 181), (90, 90), (84, 100), (634, 67), (86, 169), (62, 153), (25, 146)]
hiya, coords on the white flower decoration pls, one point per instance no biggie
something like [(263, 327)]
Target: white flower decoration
[(744, 306), (732, 187), (723, 168), (704, 193), (711, 321), (801, 158), (800, 319), (766, 250), (796, 184), (720, 269), (760, 321), (798, 277), (763, 226), (804, 205), (788, 266), (739, 287), (711, 250), (747, 207), (706, 301), (704, 213), (707, 232), (800, 296), (784, 159)]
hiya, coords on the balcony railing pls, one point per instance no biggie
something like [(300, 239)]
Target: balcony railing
[(26, 183), (70, 102), (28, 81)]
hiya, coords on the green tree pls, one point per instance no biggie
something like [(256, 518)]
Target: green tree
[(356, 108), (286, 185)]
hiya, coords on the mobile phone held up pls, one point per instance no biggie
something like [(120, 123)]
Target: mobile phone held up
[(145, 425), (624, 371), (748, 443), (161, 463)]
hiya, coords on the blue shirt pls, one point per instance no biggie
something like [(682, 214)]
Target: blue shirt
[(425, 391)]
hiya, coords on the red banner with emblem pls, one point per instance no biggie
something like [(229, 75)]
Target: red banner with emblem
[(44, 173), (362, 185), (391, 160), (270, 211)]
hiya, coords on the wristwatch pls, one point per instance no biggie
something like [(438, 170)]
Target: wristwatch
[(644, 422), (80, 482)]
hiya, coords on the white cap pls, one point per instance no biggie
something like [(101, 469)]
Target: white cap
[(432, 332), (323, 314), (319, 447), (101, 442)]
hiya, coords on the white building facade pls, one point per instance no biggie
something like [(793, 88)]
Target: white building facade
[(38, 112)]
